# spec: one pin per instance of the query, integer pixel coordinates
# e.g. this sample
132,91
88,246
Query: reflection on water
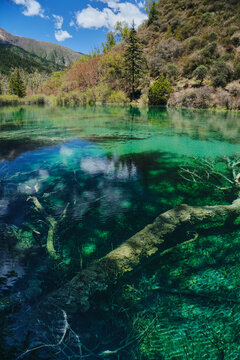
102,174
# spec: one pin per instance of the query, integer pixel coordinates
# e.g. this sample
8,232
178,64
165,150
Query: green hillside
12,57
51,52
196,45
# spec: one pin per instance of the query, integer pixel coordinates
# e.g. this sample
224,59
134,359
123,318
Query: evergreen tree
0,88
153,13
148,5
11,85
134,61
16,85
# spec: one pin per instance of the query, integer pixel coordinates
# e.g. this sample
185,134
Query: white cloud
32,7
141,5
62,35
58,21
107,17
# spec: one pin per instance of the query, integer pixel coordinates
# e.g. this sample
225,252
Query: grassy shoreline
73,100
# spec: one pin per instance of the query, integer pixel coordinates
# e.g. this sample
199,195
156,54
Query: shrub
237,71
53,84
170,49
159,92
188,99
221,74
206,17
27,100
227,56
194,43
185,30
88,97
102,93
163,25
172,71
219,80
200,73
37,99
191,63
212,37
236,39
175,22
68,99
233,88
9,100
118,97
210,50
166,51
199,98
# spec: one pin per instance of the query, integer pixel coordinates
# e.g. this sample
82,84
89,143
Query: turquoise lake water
103,173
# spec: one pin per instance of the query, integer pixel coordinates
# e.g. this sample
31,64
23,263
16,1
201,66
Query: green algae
192,295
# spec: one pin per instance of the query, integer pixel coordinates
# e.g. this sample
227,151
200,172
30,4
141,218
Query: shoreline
53,101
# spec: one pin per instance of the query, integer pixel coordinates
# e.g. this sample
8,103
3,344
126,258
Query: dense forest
186,54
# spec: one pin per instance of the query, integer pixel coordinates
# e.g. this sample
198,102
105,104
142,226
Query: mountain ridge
55,53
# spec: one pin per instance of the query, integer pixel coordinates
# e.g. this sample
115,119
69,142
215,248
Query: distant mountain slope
52,52
12,57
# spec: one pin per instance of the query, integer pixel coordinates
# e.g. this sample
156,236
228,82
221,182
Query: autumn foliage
83,75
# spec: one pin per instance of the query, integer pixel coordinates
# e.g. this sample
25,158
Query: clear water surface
103,173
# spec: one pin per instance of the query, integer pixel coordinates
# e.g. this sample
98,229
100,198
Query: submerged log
76,294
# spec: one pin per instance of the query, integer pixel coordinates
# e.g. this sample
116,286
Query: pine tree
153,13
134,61
21,89
16,85
11,85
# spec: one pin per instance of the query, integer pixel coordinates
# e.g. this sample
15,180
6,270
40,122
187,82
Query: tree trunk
76,294
133,81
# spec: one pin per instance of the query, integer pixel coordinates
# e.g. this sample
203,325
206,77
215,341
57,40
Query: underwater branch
76,295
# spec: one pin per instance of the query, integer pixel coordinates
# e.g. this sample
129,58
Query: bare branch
65,329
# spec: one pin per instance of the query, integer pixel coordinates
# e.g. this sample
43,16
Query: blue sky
78,24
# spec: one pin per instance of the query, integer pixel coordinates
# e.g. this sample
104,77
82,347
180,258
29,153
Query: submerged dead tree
76,294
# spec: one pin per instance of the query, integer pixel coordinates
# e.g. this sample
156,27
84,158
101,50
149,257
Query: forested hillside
35,60
191,47
194,44
12,57
52,52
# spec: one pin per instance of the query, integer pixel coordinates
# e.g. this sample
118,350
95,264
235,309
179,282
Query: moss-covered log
77,293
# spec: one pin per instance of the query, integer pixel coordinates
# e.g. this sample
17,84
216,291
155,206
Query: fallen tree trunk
77,293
